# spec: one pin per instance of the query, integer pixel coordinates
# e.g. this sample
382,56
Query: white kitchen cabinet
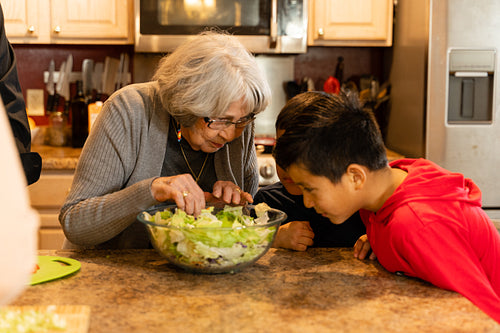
47,196
69,21
350,23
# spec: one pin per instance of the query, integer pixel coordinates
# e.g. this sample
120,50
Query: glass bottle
57,129
79,117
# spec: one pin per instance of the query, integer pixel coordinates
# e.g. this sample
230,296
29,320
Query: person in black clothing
13,100
303,226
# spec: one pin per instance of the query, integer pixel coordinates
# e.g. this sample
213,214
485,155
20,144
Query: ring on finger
238,190
185,193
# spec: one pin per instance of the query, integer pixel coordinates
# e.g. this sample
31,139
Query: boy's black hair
325,133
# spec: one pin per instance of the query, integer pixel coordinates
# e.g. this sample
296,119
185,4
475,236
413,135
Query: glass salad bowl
220,240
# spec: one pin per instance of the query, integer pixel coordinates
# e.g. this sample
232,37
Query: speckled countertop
57,158
320,290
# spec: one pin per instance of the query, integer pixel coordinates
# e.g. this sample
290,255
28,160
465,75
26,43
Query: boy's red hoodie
433,228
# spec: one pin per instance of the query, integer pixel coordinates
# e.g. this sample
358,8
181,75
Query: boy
304,227
421,220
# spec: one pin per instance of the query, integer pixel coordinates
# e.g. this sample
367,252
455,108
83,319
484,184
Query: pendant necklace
179,138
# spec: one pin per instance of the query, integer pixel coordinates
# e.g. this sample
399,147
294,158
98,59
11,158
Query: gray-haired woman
185,137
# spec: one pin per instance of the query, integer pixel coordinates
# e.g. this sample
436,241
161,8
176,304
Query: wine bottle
79,117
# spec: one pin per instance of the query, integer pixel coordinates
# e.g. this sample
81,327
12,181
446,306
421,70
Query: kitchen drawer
50,190
50,238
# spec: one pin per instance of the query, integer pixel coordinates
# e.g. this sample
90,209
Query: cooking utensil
124,75
59,86
51,86
52,268
118,78
65,89
97,79
331,85
87,73
111,66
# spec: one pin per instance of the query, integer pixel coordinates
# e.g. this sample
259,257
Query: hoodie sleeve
449,256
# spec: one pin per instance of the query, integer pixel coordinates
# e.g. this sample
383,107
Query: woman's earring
179,134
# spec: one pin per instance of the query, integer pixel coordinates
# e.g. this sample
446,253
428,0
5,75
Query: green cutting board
52,268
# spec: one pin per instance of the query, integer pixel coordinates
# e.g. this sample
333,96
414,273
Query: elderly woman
186,137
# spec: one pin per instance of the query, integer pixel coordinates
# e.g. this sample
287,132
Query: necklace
179,138
196,178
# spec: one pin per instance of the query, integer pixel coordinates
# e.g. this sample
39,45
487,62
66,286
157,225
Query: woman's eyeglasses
221,124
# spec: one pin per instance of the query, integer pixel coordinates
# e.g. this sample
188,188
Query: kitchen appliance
279,69
445,89
264,26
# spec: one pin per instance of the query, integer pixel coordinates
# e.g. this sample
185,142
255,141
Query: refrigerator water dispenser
470,86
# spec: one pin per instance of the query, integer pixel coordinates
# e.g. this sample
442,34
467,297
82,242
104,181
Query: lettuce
227,238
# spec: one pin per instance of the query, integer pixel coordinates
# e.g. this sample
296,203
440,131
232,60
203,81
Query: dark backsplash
33,60
318,63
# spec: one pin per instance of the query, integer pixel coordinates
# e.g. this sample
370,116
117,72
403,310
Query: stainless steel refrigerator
445,94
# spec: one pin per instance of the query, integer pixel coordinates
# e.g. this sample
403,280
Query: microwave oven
263,26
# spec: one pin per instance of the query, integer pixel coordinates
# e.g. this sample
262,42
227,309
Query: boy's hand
295,235
362,247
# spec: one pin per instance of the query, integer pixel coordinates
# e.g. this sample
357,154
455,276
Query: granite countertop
57,158
320,290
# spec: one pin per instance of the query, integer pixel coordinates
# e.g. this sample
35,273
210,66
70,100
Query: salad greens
226,238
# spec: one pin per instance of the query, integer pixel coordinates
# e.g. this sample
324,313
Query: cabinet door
94,19
350,23
21,18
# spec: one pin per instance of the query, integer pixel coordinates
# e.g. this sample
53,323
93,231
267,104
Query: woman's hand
228,193
362,247
182,189
295,235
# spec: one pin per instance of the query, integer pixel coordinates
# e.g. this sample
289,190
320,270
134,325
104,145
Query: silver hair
207,73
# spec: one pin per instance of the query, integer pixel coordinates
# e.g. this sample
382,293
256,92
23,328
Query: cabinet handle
31,29
321,32
57,29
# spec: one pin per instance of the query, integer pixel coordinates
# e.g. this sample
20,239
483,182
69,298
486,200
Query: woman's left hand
229,193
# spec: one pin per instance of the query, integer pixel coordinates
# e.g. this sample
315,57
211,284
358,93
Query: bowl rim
282,217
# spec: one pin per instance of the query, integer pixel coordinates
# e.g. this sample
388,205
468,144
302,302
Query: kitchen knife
109,76
87,73
97,79
124,75
50,86
59,86
118,78
65,89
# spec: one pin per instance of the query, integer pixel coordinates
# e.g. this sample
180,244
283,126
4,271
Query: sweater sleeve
442,254
101,202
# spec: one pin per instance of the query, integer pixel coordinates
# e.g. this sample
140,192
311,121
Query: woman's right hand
182,189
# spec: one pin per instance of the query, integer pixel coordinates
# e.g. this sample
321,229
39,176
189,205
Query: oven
263,26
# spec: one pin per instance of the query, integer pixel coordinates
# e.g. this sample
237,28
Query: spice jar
57,129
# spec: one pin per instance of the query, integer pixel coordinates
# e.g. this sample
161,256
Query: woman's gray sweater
123,154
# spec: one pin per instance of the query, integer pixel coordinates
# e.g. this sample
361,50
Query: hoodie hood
426,181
